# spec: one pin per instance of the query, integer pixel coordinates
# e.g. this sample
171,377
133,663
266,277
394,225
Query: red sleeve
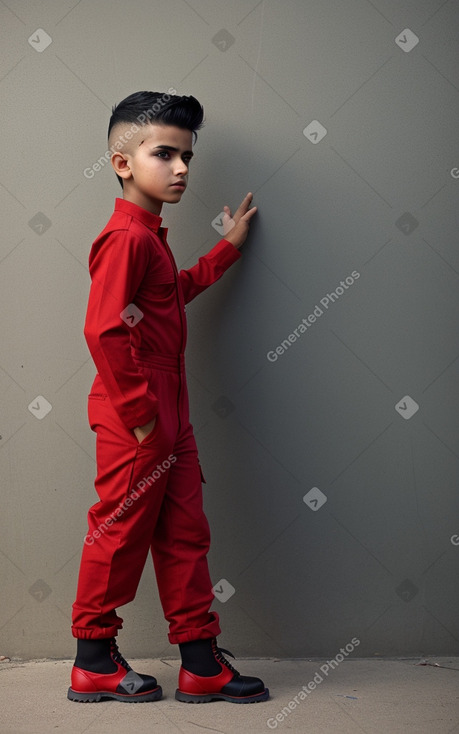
208,269
117,267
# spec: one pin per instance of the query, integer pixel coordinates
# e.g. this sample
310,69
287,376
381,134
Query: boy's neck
151,205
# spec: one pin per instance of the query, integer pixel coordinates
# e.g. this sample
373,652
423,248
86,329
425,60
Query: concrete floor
359,695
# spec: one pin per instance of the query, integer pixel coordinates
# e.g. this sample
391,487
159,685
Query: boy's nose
181,169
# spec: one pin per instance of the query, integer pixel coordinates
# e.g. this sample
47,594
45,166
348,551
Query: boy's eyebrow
171,147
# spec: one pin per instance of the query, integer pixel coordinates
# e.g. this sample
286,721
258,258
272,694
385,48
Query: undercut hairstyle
145,108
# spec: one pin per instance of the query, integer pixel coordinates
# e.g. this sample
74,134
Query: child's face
158,166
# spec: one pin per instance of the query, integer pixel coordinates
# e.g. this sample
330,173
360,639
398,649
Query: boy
148,472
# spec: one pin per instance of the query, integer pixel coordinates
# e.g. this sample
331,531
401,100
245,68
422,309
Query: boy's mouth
179,185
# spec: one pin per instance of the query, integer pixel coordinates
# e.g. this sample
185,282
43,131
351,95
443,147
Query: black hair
143,108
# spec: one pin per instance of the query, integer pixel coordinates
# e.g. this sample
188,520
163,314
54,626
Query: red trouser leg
179,548
141,488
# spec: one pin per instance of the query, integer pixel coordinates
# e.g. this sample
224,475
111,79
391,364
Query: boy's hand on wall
238,233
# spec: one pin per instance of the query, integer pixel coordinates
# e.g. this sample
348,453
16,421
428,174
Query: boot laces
117,657
218,652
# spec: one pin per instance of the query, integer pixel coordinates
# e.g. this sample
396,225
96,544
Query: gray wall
332,472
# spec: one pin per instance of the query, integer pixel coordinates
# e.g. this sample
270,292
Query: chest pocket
159,285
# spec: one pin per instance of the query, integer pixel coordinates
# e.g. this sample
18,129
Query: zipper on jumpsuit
182,329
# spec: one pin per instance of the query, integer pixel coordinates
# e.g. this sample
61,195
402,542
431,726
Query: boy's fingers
241,212
245,203
228,222
244,206
248,215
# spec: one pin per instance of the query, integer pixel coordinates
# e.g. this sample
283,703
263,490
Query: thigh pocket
95,401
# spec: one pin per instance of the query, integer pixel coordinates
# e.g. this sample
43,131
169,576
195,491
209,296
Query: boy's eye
165,155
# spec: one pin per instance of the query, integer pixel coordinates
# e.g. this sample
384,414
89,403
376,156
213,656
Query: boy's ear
120,163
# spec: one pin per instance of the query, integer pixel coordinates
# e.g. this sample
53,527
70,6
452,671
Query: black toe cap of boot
243,686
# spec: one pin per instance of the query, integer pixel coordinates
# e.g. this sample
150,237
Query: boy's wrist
236,245
142,432
226,252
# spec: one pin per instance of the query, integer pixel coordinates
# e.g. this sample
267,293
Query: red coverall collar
153,221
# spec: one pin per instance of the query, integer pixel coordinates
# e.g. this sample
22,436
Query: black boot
100,671
205,675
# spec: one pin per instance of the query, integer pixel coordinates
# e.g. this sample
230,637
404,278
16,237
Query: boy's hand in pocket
142,432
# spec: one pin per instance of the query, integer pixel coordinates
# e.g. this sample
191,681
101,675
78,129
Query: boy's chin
173,198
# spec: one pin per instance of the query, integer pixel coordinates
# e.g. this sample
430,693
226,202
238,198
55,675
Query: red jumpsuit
150,492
